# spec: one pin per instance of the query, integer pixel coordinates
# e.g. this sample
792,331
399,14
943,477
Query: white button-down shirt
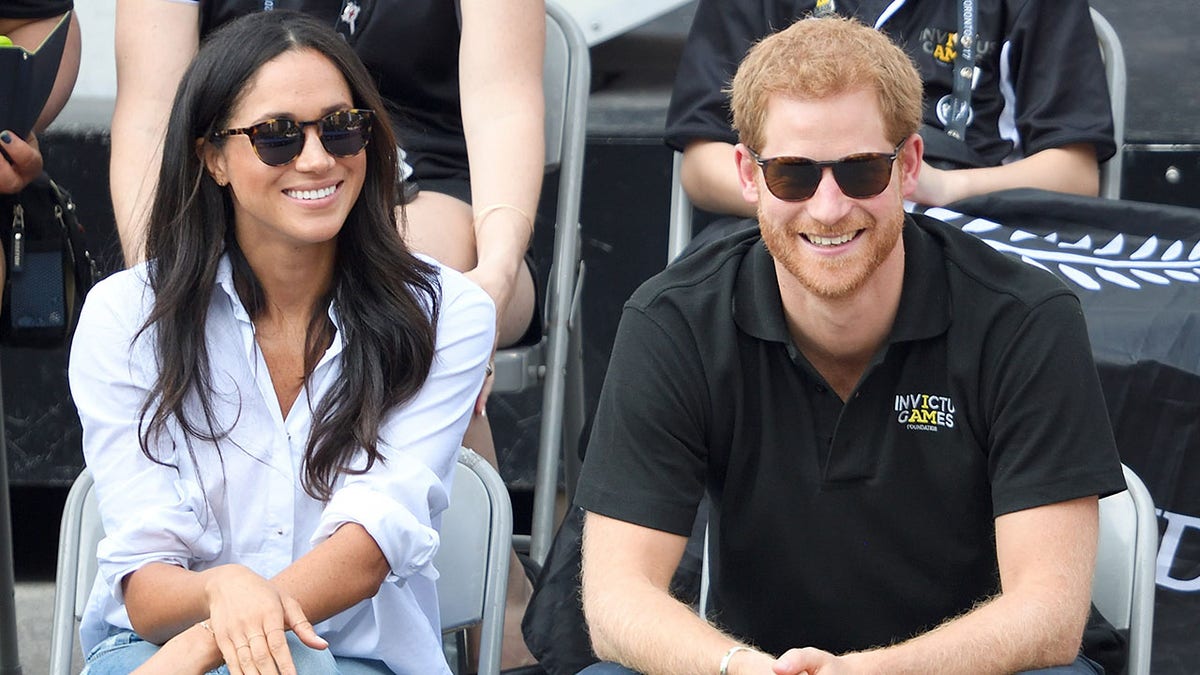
247,506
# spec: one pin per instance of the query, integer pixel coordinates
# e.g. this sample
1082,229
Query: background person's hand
935,187
500,288
20,162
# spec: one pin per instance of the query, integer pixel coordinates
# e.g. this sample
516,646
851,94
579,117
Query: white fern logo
1155,261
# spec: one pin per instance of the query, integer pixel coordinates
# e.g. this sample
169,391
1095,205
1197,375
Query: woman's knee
120,654
309,661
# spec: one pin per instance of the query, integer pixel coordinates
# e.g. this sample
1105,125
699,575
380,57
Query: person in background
272,404
901,431
26,23
1038,115
463,81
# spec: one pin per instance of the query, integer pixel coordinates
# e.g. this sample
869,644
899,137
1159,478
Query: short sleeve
646,458
1060,86
1050,436
722,31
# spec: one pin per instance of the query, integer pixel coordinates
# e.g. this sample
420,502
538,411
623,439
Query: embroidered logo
925,412
942,46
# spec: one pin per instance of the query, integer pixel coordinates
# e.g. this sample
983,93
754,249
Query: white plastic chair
472,562
1123,583
556,361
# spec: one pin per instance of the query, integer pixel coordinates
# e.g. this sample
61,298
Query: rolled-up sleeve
149,513
399,501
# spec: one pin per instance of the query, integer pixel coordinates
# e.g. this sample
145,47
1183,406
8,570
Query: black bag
48,267
553,626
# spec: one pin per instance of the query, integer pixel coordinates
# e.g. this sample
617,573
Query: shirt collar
224,281
924,310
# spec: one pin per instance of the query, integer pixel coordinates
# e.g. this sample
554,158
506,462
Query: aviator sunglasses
794,179
277,142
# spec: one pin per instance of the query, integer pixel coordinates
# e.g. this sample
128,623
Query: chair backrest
78,536
472,561
473,558
1114,71
680,232
1123,583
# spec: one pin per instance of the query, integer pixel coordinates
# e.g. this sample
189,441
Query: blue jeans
120,654
1082,666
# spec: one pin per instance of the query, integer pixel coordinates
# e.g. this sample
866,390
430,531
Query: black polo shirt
1039,80
849,525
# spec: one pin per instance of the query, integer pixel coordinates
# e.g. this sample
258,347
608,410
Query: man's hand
812,661
20,162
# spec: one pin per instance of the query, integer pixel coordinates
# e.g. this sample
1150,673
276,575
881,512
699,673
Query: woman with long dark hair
273,403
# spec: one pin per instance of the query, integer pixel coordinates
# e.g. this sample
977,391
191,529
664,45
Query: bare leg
440,226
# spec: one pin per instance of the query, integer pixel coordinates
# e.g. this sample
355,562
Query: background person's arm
1071,169
155,42
29,33
22,160
1046,557
631,615
500,78
709,175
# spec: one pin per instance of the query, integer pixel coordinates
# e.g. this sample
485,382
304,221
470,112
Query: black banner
1136,269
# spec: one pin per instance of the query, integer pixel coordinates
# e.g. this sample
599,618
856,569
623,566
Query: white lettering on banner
1177,525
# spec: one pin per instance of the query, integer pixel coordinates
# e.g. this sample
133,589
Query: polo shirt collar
924,301
925,309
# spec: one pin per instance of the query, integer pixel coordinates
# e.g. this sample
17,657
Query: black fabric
48,267
1053,61
34,9
411,48
553,625
947,430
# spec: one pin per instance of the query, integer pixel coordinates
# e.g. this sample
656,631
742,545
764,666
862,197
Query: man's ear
911,156
214,161
747,170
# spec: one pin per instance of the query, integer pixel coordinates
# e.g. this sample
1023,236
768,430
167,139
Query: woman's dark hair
387,300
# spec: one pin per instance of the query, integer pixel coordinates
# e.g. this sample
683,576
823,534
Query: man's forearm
1004,635
632,618
1046,556
653,633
